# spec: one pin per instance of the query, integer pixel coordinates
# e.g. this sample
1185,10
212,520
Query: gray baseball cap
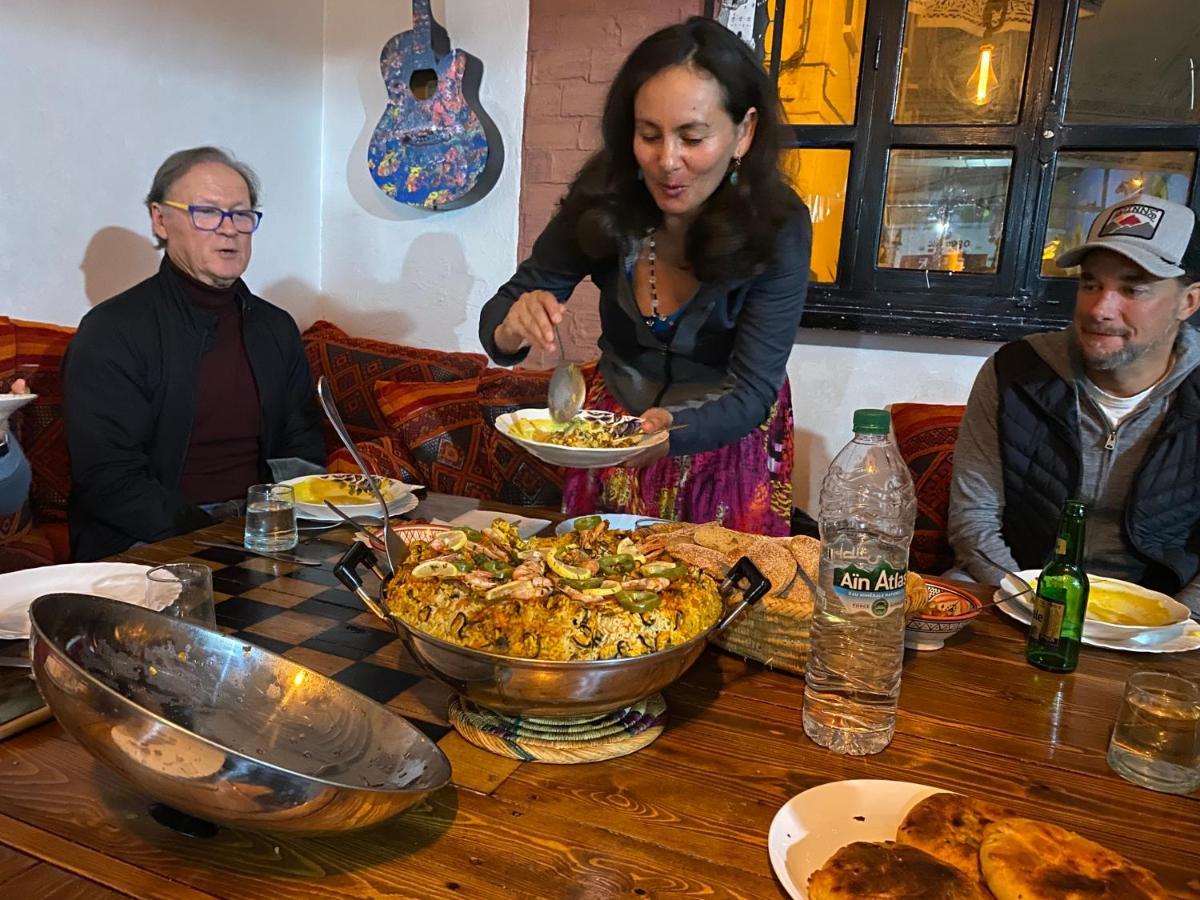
1150,231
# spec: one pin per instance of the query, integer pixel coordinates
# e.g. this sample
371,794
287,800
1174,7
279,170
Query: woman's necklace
654,316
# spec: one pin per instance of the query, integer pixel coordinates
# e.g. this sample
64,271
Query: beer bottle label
1046,627
878,591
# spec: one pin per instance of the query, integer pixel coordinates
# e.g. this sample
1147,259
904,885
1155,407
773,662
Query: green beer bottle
1061,599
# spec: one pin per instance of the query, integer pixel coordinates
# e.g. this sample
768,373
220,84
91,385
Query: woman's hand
530,322
653,419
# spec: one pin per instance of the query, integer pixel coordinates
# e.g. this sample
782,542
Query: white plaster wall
834,373
388,270
96,95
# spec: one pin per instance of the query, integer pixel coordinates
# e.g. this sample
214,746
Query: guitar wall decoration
434,147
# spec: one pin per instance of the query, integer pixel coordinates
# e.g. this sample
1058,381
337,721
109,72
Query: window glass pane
1135,61
963,61
944,210
1088,181
818,60
819,176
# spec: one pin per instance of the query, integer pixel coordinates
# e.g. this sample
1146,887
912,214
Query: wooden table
687,815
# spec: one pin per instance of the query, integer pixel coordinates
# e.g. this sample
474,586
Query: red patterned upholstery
441,425
38,535
383,456
521,479
925,434
353,365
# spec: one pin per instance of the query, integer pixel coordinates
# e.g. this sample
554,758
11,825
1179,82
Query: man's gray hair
181,162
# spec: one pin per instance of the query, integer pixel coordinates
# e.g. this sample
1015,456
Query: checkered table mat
304,614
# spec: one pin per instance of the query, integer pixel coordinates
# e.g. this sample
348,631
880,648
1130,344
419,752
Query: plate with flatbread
813,826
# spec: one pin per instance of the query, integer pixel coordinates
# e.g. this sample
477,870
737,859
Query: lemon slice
562,570
451,540
628,546
606,589
435,568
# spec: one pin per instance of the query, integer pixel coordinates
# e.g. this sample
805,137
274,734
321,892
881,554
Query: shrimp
646,584
531,568
480,580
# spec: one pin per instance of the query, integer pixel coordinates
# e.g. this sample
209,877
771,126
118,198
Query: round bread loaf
890,871
950,827
1027,860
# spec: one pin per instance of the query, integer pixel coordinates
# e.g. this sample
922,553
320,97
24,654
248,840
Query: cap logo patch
1132,220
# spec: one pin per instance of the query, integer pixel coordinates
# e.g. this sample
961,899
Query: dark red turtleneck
222,458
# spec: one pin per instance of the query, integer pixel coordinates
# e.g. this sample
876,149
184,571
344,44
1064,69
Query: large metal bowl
545,688
221,729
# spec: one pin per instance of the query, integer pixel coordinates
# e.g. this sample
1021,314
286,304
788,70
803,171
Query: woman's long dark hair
733,235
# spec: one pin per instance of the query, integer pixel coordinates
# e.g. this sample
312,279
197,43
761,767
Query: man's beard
1119,359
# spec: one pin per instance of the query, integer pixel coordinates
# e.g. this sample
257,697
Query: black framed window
950,149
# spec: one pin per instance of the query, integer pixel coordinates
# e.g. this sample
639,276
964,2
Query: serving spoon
393,547
567,388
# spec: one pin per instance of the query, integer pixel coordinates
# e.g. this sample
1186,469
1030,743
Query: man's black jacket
129,380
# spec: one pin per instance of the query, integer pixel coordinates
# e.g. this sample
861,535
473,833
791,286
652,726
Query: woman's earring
733,175
641,176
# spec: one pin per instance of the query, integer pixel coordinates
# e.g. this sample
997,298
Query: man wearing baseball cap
1107,410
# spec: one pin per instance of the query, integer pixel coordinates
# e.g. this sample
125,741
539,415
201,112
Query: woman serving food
700,251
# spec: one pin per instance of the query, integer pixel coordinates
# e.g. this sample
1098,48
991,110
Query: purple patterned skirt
746,485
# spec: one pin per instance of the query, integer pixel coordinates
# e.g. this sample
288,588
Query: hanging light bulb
983,80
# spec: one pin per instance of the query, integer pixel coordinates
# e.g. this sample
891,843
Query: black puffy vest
1040,454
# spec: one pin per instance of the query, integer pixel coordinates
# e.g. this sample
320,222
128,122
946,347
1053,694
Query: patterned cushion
353,365
383,456
925,434
40,425
522,479
441,425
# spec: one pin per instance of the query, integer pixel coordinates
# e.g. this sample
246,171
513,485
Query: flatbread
807,553
725,541
709,560
916,595
890,871
950,827
1027,860
775,562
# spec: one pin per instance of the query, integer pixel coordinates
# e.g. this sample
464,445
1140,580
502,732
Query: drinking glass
183,590
1156,741
270,518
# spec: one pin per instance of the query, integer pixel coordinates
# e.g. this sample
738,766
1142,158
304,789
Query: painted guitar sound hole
423,83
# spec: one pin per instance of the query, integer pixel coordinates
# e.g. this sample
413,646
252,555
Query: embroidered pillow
441,426
925,435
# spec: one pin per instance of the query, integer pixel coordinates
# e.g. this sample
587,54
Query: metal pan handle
743,576
346,571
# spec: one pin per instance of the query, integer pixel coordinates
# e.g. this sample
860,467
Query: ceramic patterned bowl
949,610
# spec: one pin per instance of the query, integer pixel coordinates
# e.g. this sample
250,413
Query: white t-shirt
1117,409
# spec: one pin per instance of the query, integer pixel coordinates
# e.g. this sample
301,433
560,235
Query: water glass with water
270,518
1156,741
183,590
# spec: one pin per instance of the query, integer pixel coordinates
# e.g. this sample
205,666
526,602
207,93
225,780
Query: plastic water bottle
867,512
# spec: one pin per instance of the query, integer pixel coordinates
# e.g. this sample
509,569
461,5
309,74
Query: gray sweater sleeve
977,489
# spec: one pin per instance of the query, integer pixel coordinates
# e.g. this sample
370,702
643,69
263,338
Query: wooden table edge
92,865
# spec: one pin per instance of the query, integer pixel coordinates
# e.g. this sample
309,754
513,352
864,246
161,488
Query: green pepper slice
497,568
638,601
619,562
583,523
472,535
463,565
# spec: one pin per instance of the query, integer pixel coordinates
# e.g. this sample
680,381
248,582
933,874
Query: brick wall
575,48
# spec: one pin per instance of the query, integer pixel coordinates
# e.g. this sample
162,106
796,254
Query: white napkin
482,518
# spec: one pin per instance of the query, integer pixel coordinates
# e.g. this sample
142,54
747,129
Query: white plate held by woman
117,581
814,825
574,457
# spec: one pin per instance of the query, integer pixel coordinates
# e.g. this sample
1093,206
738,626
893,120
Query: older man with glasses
185,389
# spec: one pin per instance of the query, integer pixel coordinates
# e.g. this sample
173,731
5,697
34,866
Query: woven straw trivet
575,740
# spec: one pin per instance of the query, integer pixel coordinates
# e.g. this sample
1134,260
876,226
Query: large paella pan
576,624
